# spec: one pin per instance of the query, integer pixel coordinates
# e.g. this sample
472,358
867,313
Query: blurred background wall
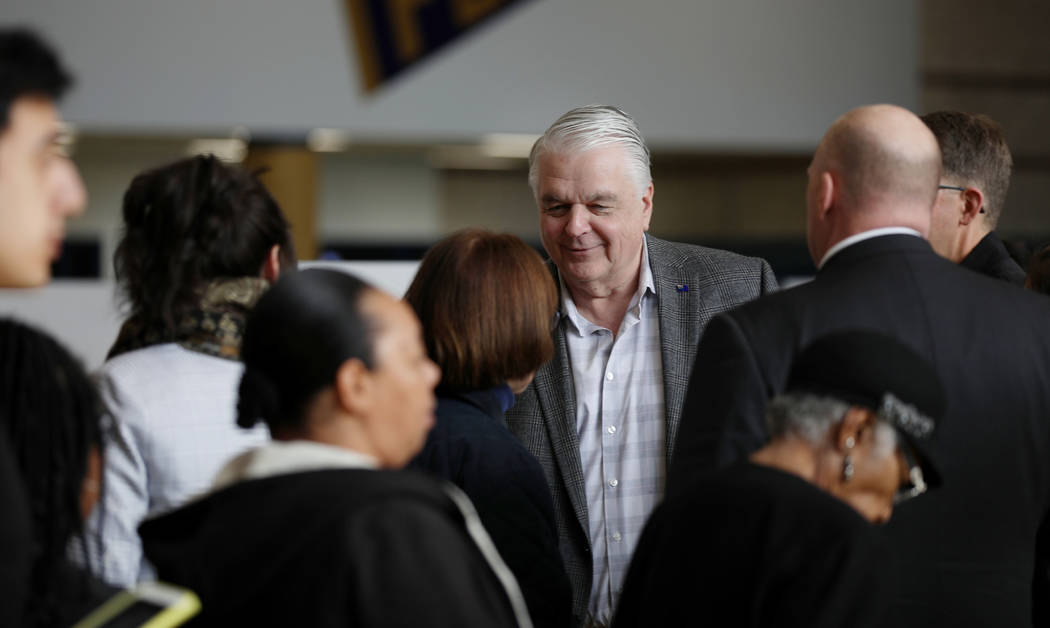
733,97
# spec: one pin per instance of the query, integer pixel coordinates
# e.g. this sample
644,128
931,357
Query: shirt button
616,536
613,482
609,376
612,429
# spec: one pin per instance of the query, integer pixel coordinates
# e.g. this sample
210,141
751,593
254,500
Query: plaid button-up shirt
621,428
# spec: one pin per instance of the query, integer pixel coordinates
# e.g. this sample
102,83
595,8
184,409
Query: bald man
967,551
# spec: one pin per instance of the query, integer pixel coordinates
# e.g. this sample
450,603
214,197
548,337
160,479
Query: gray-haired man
601,417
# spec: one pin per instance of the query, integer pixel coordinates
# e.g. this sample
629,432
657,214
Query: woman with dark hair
51,415
318,528
202,241
487,303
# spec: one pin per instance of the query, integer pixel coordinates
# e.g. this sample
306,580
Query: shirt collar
282,457
584,327
865,235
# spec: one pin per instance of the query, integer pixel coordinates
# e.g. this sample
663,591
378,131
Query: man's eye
557,209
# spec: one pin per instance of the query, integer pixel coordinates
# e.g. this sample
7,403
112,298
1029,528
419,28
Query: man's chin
33,277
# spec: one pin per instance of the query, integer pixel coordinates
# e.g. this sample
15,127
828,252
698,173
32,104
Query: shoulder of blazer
700,260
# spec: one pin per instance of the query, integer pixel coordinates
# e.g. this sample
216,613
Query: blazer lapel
676,301
557,399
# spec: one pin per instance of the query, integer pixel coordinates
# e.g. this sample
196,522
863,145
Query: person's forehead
595,173
392,318
32,119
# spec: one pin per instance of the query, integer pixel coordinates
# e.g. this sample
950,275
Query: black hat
876,371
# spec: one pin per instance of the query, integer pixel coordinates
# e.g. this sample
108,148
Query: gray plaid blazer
544,417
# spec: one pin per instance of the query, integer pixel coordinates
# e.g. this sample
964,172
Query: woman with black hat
785,538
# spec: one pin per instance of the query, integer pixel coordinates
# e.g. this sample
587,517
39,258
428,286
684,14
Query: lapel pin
681,287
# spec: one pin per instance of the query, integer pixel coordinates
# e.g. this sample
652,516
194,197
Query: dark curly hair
52,414
186,224
28,67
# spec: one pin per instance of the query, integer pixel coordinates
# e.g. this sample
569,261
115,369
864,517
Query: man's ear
647,204
852,426
826,193
353,387
271,269
973,204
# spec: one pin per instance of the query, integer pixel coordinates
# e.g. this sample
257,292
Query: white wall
699,73
84,315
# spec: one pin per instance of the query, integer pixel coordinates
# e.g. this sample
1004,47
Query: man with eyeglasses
968,551
784,537
972,191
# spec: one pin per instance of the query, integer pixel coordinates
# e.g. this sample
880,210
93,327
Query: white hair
593,126
809,417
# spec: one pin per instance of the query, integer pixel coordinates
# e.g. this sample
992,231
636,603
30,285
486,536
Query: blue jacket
471,447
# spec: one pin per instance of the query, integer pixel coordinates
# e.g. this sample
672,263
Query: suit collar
556,394
492,401
880,245
865,235
674,295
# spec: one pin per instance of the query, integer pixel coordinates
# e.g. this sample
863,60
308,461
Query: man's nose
69,194
579,221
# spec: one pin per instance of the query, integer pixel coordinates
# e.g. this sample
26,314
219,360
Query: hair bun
257,398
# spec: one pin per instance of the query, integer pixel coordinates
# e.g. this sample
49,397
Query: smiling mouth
578,250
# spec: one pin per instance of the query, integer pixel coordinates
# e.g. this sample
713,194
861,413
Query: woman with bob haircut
318,527
202,241
486,302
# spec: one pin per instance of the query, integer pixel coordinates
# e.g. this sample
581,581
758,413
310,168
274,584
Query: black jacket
335,547
471,447
756,547
991,258
967,548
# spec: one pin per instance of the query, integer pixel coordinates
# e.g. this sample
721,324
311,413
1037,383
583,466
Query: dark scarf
214,328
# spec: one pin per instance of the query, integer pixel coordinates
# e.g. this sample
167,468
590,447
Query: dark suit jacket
965,550
544,418
991,258
471,447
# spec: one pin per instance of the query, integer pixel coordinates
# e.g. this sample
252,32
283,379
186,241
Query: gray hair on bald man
593,126
809,417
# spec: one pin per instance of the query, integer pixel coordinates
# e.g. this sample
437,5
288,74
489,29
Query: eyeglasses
957,189
916,484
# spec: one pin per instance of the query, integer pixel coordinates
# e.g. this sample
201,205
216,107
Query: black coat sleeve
723,418
515,506
508,490
414,565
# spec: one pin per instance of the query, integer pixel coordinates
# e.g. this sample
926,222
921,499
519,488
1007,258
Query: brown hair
974,152
486,302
